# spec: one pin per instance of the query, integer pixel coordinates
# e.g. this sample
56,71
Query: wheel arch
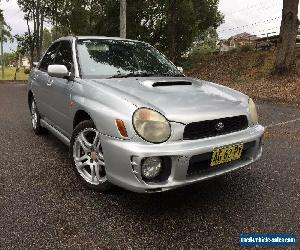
81,115
29,98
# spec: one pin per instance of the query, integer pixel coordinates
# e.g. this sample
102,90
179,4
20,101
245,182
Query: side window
49,57
64,55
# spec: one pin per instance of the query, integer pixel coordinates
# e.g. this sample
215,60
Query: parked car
133,119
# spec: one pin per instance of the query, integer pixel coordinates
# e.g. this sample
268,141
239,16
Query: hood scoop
165,83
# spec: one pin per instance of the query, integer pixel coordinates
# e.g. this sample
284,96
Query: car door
40,83
59,90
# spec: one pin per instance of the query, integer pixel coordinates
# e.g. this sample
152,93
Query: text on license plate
226,154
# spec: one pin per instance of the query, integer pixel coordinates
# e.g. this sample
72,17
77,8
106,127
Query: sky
257,17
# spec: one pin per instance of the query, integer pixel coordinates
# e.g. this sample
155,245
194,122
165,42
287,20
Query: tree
6,29
35,11
285,59
4,36
123,18
23,47
10,58
47,39
170,25
206,43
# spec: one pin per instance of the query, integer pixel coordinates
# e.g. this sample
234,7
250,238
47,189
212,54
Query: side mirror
59,71
180,69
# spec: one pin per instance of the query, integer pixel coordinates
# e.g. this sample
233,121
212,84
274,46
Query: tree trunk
37,31
32,34
123,18
31,43
285,59
41,34
1,45
172,30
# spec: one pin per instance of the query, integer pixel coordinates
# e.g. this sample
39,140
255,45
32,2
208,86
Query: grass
9,74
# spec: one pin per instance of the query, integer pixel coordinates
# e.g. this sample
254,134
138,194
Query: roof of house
243,36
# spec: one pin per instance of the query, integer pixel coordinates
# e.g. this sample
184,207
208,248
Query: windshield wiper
172,75
144,74
133,74
121,76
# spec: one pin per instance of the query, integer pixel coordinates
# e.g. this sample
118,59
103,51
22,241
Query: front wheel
88,159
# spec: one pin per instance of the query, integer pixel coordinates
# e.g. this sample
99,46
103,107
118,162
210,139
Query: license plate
226,154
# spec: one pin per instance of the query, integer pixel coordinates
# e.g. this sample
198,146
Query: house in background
25,62
267,42
270,43
237,41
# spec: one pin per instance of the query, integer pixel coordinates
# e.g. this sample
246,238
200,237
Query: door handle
49,82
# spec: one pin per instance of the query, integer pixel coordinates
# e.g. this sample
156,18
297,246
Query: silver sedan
133,119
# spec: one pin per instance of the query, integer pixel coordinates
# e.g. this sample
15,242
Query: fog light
151,167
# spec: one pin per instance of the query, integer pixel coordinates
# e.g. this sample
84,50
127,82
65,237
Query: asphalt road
43,206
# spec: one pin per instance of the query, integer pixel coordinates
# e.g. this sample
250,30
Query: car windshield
101,58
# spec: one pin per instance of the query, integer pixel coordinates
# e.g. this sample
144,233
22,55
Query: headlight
151,125
253,112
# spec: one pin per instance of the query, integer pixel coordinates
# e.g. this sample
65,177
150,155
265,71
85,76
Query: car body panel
103,106
120,169
59,104
185,104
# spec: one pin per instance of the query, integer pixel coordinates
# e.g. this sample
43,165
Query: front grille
200,164
203,129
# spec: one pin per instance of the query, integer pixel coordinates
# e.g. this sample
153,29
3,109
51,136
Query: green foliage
151,21
6,29
247,48
47,39
10,58
23,42
170,25
205,44
147,20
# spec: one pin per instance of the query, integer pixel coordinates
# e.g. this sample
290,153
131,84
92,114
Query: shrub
247,48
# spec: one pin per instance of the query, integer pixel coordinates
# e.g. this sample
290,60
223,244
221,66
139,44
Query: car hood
180,99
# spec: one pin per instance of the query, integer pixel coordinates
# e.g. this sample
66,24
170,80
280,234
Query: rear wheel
36,118
88,159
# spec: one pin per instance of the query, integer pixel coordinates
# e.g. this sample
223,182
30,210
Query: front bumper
123,159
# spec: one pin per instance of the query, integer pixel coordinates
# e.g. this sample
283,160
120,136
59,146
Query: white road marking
282,123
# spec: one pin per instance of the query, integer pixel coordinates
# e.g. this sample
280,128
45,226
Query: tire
87,157
36,119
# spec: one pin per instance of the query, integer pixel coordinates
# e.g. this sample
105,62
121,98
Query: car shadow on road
220,190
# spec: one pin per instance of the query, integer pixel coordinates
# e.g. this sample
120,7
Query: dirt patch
272,135
249,72
272,90
13,82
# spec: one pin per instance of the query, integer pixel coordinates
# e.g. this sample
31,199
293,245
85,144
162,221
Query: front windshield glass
99,58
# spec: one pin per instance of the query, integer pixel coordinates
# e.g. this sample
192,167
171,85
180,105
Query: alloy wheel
34,115
88,156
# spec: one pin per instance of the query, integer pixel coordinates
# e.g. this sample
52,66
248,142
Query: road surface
42,205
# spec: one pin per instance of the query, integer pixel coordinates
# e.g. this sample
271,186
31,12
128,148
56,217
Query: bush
26,71
234,50
247,48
